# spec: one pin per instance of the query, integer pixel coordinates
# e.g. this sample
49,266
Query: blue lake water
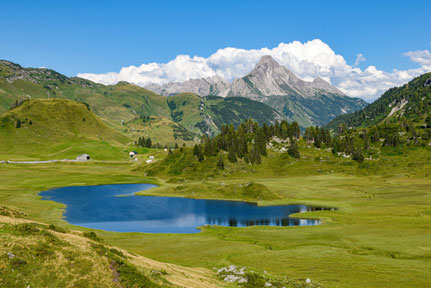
99,207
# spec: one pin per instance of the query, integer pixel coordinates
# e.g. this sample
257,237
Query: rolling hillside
57,129
411,102
125,104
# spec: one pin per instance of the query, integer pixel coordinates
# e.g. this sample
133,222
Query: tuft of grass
92,236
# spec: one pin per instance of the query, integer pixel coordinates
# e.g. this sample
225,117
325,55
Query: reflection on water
98,207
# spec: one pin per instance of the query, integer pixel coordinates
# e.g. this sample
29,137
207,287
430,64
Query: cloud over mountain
307,60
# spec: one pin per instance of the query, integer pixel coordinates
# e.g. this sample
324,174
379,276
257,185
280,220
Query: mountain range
177,112
309,103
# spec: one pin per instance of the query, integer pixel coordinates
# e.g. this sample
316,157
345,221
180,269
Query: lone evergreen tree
220,163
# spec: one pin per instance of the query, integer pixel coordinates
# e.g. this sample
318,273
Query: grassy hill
57,129
41,255
411,101
123,104
114,104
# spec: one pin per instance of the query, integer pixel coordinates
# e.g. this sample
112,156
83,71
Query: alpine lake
116,208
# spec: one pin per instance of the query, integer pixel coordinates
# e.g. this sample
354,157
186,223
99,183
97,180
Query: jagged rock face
266,79
203,87
269,78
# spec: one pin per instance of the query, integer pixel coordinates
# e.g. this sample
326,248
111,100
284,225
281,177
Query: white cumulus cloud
307,60
422,57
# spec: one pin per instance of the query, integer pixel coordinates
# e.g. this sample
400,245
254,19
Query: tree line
247,142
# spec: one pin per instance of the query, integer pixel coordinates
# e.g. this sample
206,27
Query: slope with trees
410,102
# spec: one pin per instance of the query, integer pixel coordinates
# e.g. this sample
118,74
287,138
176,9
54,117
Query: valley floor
379,236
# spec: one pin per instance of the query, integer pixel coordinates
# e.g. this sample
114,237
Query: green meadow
378,236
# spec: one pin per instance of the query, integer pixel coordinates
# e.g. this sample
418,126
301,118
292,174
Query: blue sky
101,36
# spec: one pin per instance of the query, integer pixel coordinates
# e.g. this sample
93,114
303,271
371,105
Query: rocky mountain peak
267,61
268,68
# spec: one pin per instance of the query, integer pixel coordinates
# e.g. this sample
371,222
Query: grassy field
378,237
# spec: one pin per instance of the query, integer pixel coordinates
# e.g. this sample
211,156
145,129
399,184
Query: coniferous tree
260,141
208,147
322,135
220,163
328,138
336,147
255,155
284,133
367,141
242,143
374,135
196,150
201,156
148,143
231,157
357,155
143,142
307,135
246,158
176,146
266,131
293,149
277,129
317,142
296,131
